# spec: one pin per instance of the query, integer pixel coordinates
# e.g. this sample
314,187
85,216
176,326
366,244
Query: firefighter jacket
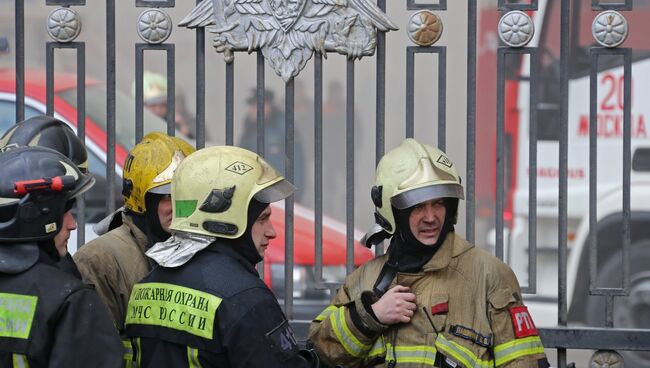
114,262
469,314
49,318
213,311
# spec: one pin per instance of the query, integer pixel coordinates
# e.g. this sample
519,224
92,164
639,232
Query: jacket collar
140,237
452,247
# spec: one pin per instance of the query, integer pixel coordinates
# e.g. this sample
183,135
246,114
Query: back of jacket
114,262
213,311
48,318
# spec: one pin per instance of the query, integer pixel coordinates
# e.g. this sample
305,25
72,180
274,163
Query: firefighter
48,318
205,305
434,299
46,131
154,98
115,261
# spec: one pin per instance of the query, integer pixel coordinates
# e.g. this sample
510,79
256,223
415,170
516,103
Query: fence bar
505,5
155,3
410,90
110,102
349,165
531,288
261,133
200,86
501,90
81,132
470,183
442,97
595,338
625,5
80,48
261,101
139,91
413,5
380,107
609,293
289,104
502,157
171,89
49,78
318,167
565,17
627,164
442,89
170,114
20,59
230,92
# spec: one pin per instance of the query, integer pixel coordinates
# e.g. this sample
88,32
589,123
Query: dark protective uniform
48,318
214,311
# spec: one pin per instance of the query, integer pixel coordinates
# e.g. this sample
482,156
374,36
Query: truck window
8,114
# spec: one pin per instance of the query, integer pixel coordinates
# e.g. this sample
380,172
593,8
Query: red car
65,98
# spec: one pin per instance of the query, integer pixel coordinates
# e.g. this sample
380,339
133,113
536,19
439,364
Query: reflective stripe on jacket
48,318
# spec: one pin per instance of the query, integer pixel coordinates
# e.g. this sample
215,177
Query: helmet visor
162,189
419,195
276,192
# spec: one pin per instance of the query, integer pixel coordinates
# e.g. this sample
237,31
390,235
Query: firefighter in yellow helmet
434,299
205,305
115,261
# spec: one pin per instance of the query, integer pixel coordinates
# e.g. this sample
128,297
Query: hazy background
426,95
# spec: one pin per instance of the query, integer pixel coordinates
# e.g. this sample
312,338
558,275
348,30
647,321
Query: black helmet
35,185
46,131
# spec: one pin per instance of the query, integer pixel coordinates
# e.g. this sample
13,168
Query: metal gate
286,37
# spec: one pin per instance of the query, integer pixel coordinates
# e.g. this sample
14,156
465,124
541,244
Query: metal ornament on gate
606,359
154,26
63,24
288,32
609,28
516,29
425,28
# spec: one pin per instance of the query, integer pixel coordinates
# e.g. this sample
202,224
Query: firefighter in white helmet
205,305
434,299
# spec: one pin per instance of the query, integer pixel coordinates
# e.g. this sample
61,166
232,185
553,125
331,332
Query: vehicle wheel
632,311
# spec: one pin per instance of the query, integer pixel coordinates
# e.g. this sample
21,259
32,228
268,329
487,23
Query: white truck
631,311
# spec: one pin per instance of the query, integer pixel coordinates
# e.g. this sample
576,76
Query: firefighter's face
61,239
426,220
263,231
165,212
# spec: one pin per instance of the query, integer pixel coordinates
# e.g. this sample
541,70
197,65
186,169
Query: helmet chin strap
245,245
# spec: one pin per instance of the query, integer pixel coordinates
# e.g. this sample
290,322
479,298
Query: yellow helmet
212,189
410,174
150,166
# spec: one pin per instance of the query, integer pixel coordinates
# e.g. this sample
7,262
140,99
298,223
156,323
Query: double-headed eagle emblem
289,31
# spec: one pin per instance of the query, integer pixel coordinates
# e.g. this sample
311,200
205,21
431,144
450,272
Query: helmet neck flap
406,252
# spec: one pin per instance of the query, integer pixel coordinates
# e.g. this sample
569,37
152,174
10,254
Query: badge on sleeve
282,341
522,322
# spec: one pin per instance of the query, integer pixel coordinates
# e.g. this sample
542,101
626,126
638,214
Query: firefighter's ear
375,194
127,187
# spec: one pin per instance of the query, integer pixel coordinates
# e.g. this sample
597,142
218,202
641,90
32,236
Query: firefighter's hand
396,306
